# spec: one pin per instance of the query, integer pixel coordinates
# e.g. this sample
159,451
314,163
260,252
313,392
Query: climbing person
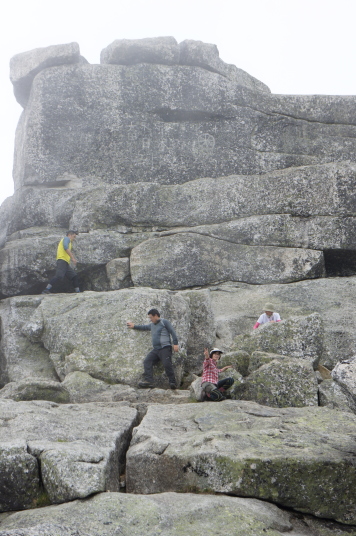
268,316
63,268
212,388
162,332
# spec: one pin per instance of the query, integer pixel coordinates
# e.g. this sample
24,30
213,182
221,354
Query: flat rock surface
301,458
76,449
114,514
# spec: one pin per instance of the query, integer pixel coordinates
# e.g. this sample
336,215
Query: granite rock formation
197,191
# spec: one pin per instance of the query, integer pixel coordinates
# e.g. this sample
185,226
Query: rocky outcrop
296,456
196,191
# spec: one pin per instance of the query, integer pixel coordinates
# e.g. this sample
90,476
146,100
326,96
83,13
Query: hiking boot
46,291
172,386
145,385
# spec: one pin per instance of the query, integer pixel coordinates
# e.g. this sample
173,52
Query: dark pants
216,392
64,270
164,355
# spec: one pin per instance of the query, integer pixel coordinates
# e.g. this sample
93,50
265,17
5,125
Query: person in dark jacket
162,332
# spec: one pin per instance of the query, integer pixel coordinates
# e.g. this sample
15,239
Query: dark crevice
340,263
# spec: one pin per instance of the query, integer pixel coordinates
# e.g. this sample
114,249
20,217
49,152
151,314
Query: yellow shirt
61,250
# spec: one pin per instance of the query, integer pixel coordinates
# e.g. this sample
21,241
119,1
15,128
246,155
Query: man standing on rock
161,331
63,268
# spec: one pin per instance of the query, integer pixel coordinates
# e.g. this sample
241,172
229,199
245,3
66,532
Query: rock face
195,191
294,456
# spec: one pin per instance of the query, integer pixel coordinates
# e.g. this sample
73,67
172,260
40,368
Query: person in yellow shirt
63,268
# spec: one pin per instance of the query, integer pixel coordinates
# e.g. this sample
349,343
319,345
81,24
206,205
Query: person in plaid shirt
210,384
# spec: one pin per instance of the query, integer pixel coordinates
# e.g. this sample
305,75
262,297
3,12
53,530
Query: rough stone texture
34,389
344,374
237,307
145,127
160,50
20,358
299,337
321,193
19,478
158,262
25,66
333,396
258,359
118,273
281,383
110,514
298,457
83,388
76,460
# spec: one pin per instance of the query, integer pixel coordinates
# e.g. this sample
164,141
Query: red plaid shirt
210,372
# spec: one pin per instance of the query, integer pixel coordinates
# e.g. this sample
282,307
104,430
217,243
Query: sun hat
215,350
268,307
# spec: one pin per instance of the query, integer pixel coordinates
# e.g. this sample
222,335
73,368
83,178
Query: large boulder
281,383
71,459
344,374
34,389
188,260
26,65
333,396
110,514
206,124
21,358
302,458
161,50
298,337
52,336
237,307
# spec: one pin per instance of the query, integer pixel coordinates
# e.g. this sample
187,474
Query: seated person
267,316
210,384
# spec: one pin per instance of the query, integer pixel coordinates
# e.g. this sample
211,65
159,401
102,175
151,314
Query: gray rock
118,273
258,359
237,307
344,374
333,396
34,389
299,337
293,456
25,66
110,514
139,131
75,459
161,50
19,478
187,260
240,361
115,353
281,383
21,358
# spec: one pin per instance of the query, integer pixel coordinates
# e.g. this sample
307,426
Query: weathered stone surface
20,358
34,389
281,383
333,396
139,130
344,374
110,514
76,460
83,388
118,273
258,359
160,50
187,260
298,337
19,478
240,361
298,457
25,66
319,191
